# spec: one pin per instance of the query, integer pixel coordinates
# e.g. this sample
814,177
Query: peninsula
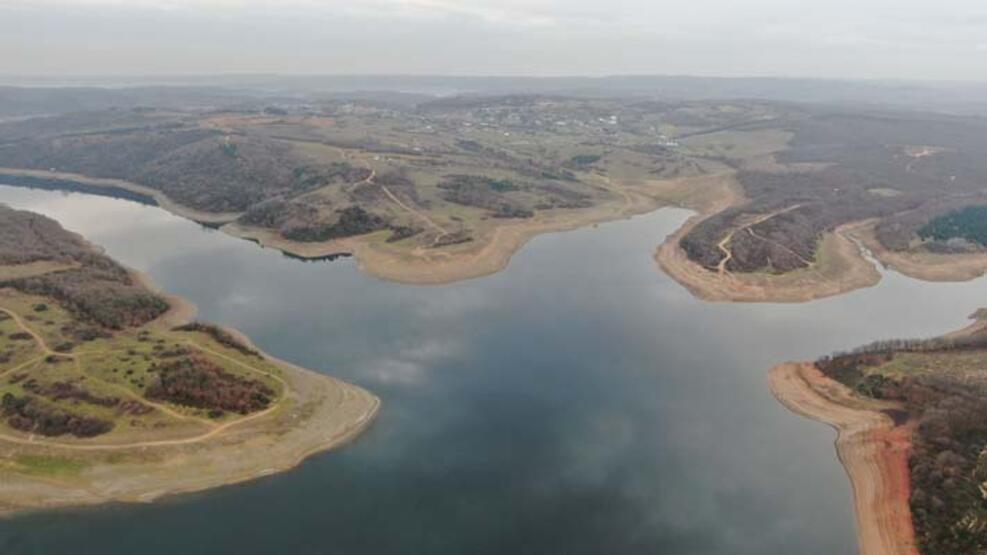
444,190
912,422
109,391
439,189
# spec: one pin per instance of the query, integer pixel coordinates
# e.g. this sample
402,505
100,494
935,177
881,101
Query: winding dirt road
723,244
215,428
418,214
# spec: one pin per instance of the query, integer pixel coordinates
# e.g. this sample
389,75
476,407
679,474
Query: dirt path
124,391
75,357
371,180
622,192
215,428
25,364
316,413
873,451
423,265
365,181
721,267
418,214
846,268
755,235
29,330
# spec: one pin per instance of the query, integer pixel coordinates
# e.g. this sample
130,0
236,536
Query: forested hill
93,287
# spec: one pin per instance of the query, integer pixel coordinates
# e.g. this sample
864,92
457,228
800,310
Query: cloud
409,365
841,38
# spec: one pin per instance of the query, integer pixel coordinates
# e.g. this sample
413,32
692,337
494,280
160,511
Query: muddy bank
872,447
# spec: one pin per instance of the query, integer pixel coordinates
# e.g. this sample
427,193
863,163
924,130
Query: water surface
578,402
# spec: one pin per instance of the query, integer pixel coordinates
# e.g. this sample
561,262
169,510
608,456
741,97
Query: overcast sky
913,39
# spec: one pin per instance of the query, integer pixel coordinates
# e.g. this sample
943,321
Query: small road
418,214
721,268
215,428
371,180
618,190
30,331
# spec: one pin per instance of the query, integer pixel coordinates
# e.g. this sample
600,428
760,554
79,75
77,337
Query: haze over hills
613,205
21,95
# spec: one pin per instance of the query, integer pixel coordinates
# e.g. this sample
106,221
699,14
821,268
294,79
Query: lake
578,402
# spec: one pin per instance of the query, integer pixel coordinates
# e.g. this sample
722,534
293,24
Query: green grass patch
44,465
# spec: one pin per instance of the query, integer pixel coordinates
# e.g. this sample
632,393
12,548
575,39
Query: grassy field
440,177
109,377
109,391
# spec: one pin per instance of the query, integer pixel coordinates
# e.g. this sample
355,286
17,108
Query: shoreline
162,200
925,266
490,252
871,448
485,256
847,269
318,413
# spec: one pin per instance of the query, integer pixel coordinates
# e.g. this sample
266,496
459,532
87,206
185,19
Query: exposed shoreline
318,413
872,449
846,270
489,252
925,266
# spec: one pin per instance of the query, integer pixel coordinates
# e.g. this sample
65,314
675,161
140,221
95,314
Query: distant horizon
518,76
909,40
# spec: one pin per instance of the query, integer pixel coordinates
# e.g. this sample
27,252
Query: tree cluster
197,382
30,415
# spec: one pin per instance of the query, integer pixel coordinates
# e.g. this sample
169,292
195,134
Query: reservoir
580,401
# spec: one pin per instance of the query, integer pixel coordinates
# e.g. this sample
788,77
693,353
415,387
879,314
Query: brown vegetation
949,411
97,290
197,382
853,155
220,335
62,391
30,415
149,410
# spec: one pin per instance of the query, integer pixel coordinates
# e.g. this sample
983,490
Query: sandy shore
489,252
494,246
318,413
926,266
873,451
842,267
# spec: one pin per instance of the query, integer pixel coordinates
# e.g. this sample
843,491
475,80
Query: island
911,417
110,391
